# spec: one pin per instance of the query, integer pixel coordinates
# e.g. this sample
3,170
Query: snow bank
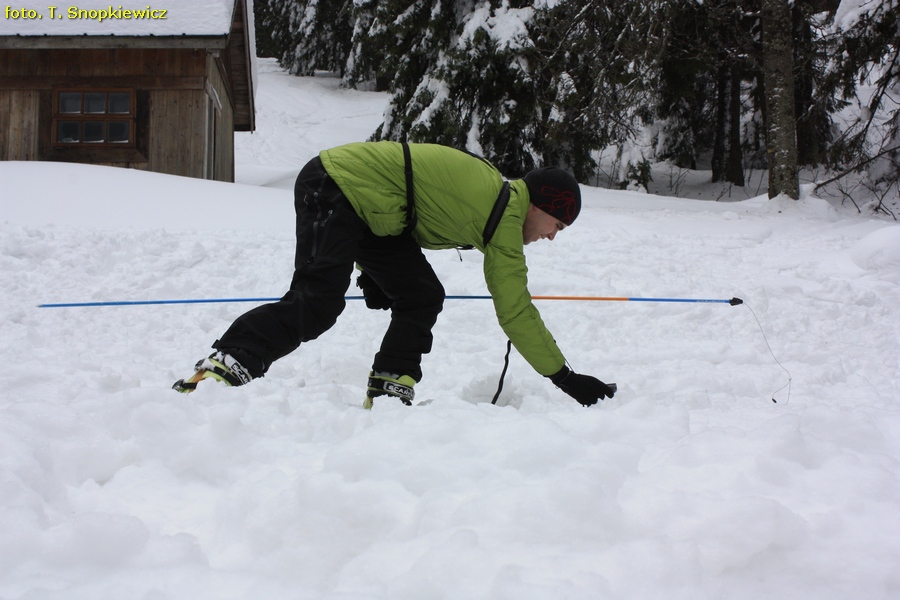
879,251
88,196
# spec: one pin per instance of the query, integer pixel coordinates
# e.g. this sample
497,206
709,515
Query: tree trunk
810,121
734,167
781,127
720,134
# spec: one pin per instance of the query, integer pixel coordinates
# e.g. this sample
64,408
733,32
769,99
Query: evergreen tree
709,74
683,115
396,43
523,85
867,53
813,109
271,41
703,66
733,27
318,34
596,81
479,93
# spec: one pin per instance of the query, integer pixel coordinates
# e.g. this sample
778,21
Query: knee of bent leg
431,295
421,295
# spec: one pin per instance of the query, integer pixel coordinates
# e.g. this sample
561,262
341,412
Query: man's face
540,225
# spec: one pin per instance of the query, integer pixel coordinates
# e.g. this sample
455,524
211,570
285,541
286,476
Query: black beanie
555,192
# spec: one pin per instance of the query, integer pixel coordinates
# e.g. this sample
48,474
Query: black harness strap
496,213
410,193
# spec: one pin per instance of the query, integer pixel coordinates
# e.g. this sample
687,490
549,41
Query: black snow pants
330,239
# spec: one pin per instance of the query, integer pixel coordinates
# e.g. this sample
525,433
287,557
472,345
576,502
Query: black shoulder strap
496,213
410,193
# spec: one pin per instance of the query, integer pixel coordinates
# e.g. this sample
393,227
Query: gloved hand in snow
584,388
374,295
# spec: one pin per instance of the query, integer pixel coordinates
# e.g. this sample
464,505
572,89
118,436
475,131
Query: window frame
81,117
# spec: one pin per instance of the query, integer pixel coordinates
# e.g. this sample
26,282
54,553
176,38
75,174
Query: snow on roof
136,19
119,18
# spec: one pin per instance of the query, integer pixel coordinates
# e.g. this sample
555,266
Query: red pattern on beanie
561,204
555,191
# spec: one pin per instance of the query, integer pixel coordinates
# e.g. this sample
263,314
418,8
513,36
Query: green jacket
454,195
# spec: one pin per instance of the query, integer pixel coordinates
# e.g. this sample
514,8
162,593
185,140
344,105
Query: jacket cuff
558,377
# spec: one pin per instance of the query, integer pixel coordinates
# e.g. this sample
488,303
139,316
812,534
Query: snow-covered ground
691,483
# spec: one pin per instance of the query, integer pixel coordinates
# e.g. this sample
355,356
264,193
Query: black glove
584,388
374,295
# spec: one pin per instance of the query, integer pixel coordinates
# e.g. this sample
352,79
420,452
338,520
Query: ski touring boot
219,366
389,384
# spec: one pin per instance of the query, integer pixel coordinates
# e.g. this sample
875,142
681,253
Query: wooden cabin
160,94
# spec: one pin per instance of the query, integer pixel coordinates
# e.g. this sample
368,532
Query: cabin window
94,117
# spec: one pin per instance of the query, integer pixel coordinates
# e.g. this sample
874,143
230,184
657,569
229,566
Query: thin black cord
503,374
790,379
